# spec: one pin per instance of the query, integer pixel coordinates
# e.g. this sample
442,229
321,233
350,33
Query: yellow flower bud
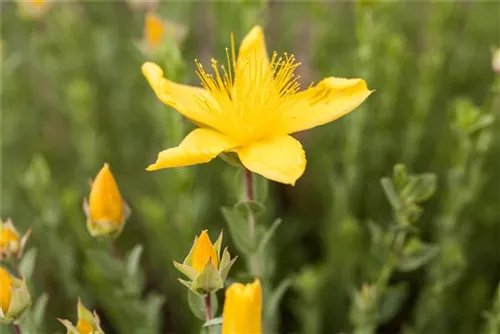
204,265
154,29
204,251
88,322
5,290
11,243
243,309
14,297
106,210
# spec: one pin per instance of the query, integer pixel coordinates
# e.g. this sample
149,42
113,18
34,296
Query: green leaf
420,188
269,234
27,264
133,260
197,304
247,207
108,265
391,301
154,302
209,280
189,271
39,308
272,303
416,254
400,176
391,193
238,228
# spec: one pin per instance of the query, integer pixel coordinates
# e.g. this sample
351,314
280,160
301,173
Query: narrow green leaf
108,265
246,207
391,302
390,193
133,260
269,234
271,309
27,264
39,308
209,280
238,228
416,254
420,188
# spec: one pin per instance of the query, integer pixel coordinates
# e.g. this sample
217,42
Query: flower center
248,97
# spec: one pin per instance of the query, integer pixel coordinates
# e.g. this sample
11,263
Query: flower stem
254,259
114,251
17,328
208,307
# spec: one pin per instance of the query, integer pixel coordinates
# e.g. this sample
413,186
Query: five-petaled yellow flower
251,108
14,297
106,210
88,322
11,243
243,309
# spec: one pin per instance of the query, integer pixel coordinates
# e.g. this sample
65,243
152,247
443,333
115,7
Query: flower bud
14,297
106,210
204,266
88,323
243,309
11,243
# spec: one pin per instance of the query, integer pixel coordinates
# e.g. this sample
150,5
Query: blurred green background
73,97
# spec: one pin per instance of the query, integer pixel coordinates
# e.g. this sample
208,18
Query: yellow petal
154,29
243,309
199,146
5,290
254,44
204,251
185,99
330,99
280,159
83,327
105,200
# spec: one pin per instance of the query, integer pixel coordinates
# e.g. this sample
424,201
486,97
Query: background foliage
73,98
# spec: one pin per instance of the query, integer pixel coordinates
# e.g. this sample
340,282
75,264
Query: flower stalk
255,267
208,307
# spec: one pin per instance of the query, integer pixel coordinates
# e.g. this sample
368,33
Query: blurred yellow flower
243,309
14,297
156,29
106,210
33,8
251,108
11,243
88,323
204,265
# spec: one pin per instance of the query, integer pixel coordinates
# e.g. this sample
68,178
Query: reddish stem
208,307
17,328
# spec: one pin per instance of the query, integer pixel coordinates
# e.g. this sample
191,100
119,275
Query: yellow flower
88,323
106,210
33,8
204,266
14,297
251,108
11,243
243,309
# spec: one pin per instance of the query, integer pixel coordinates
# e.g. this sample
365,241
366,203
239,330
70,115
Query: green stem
208,307
255,267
